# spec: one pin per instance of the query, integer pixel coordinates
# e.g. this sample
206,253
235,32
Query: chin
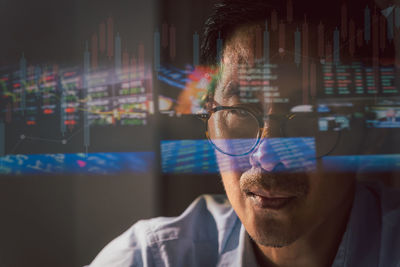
271,232
267,227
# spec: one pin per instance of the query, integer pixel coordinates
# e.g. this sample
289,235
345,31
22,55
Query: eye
239,114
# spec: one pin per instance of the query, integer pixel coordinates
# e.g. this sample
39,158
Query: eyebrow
231,88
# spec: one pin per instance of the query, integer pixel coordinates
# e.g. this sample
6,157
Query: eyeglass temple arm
203,116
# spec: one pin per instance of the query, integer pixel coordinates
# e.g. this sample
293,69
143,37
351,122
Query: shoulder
194,236
388,200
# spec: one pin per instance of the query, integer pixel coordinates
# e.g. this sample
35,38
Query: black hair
226,16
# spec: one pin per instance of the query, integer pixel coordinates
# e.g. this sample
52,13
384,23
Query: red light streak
253,83
274,20
352,39
102,39
94,51
172,43
70,122
258,42
70,110
49,78
110,38
68,74
321,40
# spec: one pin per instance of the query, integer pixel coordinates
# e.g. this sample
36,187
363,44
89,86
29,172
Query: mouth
267,200
266,191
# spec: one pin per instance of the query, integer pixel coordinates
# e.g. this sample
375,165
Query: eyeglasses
237,130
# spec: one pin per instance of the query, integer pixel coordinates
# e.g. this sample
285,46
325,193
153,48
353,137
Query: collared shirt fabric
209,233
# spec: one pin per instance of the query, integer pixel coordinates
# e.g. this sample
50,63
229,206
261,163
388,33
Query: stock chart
347,75
54,118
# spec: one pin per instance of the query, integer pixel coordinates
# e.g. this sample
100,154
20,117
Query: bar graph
196,50
2,139
110,88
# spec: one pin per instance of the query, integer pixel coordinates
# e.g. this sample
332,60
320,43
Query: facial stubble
269,229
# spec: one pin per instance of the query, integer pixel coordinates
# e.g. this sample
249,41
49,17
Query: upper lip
269,194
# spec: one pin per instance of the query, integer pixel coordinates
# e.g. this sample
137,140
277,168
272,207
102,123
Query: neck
318,247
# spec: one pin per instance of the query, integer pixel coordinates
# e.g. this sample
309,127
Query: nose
284,154
267,157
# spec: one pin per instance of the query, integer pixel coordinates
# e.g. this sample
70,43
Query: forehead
244,73
240,46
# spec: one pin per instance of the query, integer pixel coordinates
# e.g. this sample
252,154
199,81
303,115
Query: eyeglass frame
261,123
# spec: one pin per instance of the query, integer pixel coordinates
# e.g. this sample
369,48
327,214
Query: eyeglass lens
233,131
236,131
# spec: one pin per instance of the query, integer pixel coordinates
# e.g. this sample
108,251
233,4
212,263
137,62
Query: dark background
65,220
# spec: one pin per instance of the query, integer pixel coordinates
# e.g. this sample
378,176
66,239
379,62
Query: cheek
231,181
328,193
229,164
232,188
231,169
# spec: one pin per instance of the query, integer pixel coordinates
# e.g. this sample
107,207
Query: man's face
276,208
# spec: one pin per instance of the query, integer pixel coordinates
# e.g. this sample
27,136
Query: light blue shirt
209,233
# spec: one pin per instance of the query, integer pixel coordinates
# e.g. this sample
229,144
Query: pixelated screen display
346,78
384,117
335,86
82,117
198,156
94,163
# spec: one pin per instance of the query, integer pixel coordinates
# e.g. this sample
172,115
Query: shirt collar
248,257
360,245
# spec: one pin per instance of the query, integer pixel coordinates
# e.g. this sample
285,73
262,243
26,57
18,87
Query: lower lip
269,203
